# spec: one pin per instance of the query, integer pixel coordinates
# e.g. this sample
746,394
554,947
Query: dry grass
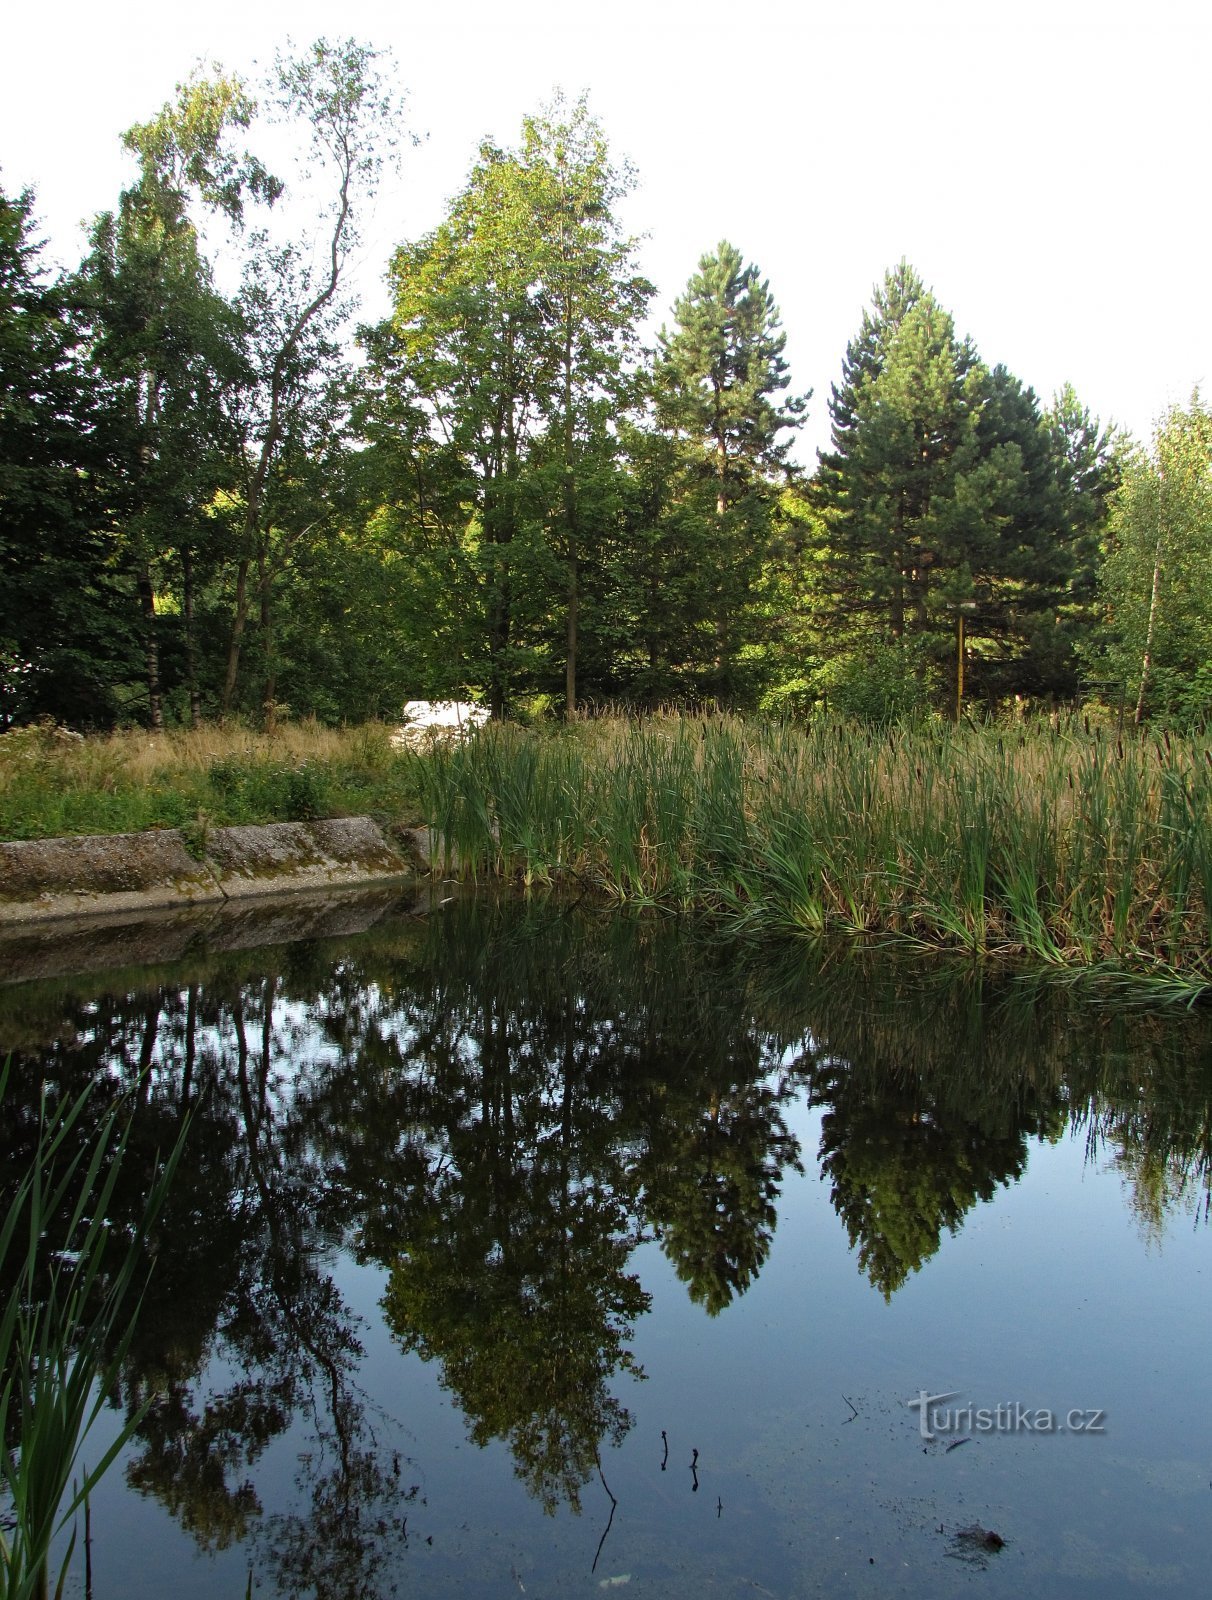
53,782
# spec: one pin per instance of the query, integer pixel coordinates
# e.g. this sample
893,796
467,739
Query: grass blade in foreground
63,1333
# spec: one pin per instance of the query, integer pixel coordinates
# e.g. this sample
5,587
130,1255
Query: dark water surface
526,1250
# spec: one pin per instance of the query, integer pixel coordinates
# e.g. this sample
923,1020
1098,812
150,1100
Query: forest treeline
216,498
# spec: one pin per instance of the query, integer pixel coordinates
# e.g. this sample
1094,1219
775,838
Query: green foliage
1156,580
186,148
717,379
720,370
883,685
293,413
168,347
256,788
499,385
207,506
65,644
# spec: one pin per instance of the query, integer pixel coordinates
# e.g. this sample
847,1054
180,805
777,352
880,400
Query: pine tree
949,525
719,375
907,436
1022,559
891,301
1089,460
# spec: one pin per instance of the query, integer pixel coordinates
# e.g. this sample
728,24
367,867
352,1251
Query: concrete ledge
111,874
303,855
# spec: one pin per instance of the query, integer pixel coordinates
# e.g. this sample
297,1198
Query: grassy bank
54,783
1068,846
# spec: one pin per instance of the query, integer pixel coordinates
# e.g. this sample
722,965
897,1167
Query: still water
521,1249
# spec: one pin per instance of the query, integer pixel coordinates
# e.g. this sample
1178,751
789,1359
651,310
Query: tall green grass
53,782
65,1328
1055,843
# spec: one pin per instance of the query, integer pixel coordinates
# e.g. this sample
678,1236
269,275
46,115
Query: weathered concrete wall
115,872
137,872
310,855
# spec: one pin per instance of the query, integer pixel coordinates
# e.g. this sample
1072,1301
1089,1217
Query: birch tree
1156,581
347,118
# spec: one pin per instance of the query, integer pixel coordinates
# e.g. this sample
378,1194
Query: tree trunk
269,698
191,652
275,425
495,516
499,517
237,635
570,663
1146,663
898,570
570,527
151,650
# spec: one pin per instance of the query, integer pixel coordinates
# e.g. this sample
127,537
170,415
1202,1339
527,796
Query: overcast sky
1045,170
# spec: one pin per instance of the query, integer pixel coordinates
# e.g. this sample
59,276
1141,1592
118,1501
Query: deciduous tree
347,119
168,344
512,340
1156,581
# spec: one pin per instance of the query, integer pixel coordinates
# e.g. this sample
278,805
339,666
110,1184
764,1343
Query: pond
527,1248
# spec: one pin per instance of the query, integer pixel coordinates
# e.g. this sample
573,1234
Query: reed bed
1064,845
53,782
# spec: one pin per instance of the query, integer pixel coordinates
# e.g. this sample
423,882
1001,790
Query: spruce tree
901,530
719,377
950,516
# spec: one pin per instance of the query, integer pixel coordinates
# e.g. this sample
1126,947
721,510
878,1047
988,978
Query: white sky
1046,169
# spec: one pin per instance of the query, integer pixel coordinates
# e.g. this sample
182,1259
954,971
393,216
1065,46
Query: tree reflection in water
496,1104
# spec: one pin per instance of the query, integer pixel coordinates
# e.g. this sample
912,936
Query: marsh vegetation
1057,842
